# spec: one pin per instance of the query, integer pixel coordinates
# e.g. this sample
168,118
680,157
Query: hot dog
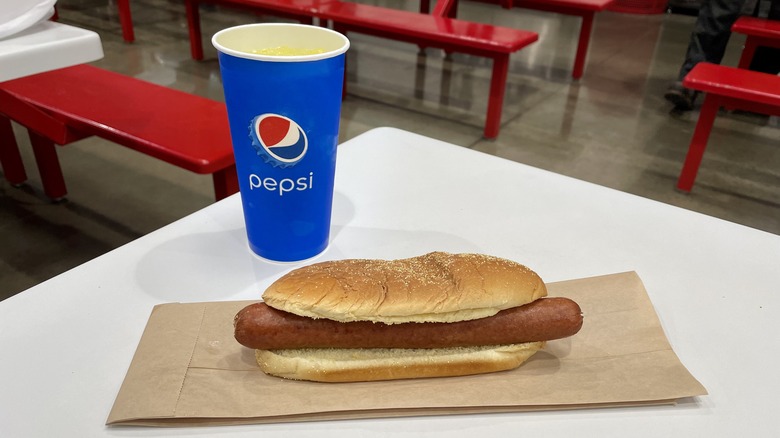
435,315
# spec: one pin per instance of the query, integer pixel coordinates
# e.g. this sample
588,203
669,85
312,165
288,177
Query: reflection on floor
611,128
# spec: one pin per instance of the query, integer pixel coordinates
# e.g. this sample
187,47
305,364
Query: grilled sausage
262,327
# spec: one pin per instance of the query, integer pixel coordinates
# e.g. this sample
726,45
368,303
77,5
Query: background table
67,343
47,46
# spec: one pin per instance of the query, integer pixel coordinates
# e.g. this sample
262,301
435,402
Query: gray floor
612,127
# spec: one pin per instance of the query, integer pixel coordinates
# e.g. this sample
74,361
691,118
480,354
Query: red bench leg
193,22
582,45
747,53
496,98
10,159
707,115
225,182
126,20
48,166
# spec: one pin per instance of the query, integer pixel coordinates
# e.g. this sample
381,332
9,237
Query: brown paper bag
188,370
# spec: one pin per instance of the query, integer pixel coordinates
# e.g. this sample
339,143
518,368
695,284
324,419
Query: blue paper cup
284,115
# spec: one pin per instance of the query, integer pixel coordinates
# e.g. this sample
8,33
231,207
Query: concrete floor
611,128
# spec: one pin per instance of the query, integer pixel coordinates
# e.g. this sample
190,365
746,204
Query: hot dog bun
369,364
435,287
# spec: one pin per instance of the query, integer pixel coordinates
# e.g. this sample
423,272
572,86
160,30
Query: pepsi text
283,186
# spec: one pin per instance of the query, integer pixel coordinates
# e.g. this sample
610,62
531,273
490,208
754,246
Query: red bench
760,32
62,106
724,87
585,9
449,34
452,35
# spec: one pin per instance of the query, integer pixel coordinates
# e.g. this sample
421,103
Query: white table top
47,46
66,344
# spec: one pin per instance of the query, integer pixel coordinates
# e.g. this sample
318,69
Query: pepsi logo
278,140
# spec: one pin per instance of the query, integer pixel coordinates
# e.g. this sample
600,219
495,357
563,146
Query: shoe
682,98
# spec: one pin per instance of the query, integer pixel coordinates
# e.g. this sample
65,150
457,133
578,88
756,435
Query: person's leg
708,42
711,33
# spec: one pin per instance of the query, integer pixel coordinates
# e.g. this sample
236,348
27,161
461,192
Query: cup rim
272,58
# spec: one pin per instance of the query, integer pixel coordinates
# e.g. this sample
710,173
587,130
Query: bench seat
568,7
62,106
729,87
760,32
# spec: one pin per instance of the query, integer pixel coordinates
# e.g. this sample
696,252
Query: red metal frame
698,143
48,166
192,8
225,182
444,8
10,158
126,20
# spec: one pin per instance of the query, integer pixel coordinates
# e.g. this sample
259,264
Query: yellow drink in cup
287,51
